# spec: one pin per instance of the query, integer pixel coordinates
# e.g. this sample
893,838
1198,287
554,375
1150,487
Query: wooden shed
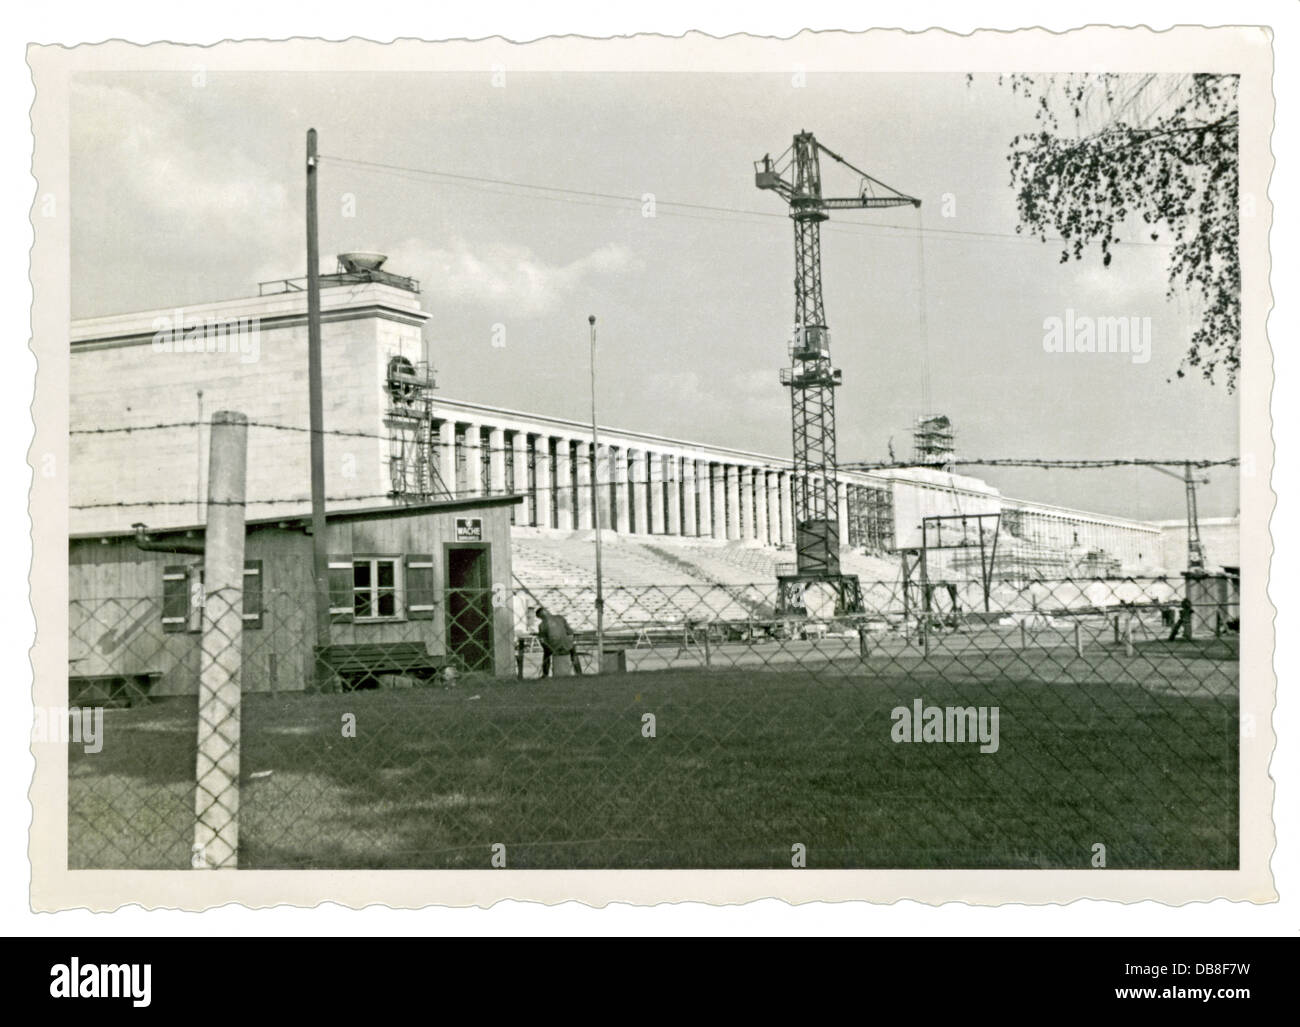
435,575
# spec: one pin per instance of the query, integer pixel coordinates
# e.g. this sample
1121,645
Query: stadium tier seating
661,579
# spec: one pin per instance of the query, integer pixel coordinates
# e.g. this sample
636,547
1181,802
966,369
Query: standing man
557,640
1183,625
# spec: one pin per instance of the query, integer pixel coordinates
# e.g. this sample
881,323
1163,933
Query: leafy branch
1152,154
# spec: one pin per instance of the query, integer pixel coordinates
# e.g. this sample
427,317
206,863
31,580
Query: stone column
733,501
772,497
787,507
656,493
746,502
545,480
603,498
447,455
563,485
673,494
689,527
519,486
518,482
622,520
718,488
639,470
704,485
473,460
497,461
760,506
582,501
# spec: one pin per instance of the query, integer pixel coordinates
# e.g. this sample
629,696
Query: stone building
395,438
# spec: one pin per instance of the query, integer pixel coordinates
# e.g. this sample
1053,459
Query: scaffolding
871,518
974,534
413,473
934,444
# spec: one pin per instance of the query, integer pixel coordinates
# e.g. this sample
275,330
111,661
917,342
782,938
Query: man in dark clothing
1184,624
557,640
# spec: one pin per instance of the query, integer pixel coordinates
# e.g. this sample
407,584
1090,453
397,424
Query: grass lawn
1138,754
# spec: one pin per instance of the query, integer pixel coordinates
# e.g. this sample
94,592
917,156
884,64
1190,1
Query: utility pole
320,544
595,507
198,477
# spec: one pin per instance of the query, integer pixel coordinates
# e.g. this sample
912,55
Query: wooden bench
111,689
359,664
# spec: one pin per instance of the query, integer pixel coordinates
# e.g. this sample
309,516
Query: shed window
176,598
374,588
380,588
184,598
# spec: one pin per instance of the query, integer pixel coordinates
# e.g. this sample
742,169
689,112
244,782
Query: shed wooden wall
115,595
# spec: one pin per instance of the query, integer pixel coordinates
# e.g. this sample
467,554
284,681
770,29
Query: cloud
504,276
1137,279
738,412
177,185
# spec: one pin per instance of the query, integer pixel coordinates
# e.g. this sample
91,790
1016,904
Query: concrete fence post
216,793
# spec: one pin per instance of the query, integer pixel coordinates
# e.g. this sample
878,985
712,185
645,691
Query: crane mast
810,375
1195,550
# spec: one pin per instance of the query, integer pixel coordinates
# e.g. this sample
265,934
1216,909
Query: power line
579,195
623,204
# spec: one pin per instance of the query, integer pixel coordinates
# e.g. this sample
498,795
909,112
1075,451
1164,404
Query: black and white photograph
752,456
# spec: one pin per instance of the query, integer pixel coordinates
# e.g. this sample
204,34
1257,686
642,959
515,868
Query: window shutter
198,598
252,593
340,580
176,597
419,587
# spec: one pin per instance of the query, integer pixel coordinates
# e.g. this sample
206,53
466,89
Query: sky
188,188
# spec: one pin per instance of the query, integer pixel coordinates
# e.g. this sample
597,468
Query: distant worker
557,640
1184,623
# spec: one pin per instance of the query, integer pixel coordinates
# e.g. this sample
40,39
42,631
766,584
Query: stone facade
638,483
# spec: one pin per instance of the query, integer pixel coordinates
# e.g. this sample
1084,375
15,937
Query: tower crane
795,176
1195,549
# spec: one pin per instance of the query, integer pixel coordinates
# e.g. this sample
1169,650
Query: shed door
469,607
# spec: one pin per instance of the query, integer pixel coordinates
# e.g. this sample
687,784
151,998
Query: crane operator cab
765,176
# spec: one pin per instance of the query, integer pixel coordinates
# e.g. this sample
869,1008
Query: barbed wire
578,491
162,425
1047,463
357,433
1061,463
123,504
542,492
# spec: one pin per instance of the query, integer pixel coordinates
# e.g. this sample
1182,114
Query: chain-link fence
1026,723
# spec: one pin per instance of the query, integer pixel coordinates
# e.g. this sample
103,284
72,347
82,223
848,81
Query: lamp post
595,506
